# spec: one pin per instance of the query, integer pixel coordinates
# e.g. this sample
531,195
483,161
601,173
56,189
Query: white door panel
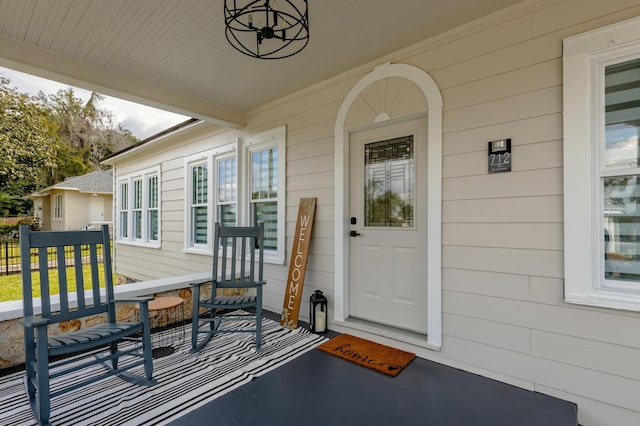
388,254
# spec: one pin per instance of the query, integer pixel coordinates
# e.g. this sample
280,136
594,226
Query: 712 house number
500,156
497,159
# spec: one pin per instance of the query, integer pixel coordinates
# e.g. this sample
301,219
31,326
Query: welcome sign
298,263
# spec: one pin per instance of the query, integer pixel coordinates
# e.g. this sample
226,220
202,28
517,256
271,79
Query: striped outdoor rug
185,381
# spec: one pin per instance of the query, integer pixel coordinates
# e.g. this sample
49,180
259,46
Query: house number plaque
500,156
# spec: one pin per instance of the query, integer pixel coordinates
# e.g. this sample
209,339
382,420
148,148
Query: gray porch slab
320,389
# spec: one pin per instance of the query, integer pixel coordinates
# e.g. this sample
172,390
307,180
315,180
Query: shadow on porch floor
319,389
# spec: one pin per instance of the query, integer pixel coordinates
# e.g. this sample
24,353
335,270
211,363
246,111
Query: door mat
385,359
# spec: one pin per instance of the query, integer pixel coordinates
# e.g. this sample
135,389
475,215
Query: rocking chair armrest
200,282
135,299
235,284
34,321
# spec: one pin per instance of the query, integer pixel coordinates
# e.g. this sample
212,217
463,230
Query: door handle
354,233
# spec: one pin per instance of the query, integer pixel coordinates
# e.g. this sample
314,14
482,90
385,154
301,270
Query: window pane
622,227
264,174
199,184
622,193
137,224
227,191
152,199
137,194
267,213
124,210
199,220
57,210
389,183
152,216
152,208
622,114
227,215
199,207
227,180
124,224
124,196
137,209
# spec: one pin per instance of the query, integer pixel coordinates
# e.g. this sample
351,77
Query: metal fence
10,256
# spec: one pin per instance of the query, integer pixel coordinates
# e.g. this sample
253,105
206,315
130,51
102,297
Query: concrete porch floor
320,389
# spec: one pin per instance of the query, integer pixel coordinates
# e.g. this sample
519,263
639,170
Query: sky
141,120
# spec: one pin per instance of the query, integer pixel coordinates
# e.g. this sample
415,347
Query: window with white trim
57,206
211,192
137,209
264,156
123,208
253,196
153,214
198,204
602,166
263,199
138,198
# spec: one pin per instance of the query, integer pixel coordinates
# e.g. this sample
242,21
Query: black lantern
318,312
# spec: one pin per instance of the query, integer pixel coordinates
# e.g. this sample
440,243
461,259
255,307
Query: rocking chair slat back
58,259
236,252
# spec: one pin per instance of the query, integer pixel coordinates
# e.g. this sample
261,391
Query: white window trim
120,210
210,157
57,207
147,225
142,175
244,147
141,180
583,56
272,138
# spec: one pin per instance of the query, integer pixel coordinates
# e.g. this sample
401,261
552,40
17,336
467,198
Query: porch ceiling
173,54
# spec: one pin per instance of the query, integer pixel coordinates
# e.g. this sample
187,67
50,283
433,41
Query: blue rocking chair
237,264
46,352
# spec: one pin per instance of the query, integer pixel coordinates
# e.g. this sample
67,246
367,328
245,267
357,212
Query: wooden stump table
166,315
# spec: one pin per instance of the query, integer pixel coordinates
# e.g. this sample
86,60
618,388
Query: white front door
388,225
96,210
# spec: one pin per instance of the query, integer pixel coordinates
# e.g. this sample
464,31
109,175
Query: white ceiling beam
43,63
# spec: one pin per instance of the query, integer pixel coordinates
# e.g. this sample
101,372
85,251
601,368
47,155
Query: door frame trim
434,194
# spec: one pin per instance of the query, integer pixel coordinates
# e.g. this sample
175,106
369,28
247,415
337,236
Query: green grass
11,285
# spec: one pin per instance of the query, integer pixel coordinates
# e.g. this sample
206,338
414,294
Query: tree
28,147
47,138
87,133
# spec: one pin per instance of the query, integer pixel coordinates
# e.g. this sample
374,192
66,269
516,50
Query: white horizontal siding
537,236
543,155
546,290
505,84
618,360
542,263
492,333
505,285
518,107
533,183
543,128
543,208
610,389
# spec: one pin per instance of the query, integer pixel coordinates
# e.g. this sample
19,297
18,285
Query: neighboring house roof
153,138
99,182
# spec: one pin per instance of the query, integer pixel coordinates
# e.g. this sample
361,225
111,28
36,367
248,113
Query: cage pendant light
267,29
